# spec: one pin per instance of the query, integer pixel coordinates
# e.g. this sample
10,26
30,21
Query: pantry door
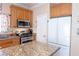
42,28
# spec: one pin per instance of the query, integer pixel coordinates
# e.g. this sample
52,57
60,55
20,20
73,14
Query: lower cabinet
16,41
34,36
9,42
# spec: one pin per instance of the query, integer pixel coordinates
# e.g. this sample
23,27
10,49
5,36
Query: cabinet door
52,30
64,30
16,41
28,16
9,42
13,21
6,43
31,18
20,13
63,9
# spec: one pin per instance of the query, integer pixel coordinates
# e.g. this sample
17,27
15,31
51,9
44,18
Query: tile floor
63,51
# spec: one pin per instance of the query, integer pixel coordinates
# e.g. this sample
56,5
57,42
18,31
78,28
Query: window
4,23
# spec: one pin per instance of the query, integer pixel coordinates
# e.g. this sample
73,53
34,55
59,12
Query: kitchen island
33,48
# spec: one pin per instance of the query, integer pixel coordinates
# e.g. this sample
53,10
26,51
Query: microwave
23,23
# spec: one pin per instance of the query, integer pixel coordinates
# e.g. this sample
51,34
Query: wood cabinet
20,13
13,21
16,41
9,42
34,36
63,9
28,16
5,43
31,18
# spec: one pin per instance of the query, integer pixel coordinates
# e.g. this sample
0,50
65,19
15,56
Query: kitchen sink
3,36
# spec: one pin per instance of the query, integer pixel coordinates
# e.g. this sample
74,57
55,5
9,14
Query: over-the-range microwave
23,23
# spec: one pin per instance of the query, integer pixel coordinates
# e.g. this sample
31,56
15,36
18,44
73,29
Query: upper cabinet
58,10
26,14
20,13
13,21
31,17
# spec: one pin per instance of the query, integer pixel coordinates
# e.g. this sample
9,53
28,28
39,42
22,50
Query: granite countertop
33,48
7,37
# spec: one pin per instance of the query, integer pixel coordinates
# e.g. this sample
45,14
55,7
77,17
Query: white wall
39,10
6,8
75,26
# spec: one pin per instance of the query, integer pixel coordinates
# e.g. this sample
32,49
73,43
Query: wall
6,8
75,26
39,10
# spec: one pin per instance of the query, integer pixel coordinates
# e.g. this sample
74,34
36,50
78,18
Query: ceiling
27,5
30,4
34,4
54,4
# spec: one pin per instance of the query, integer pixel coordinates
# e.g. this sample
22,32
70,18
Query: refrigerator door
52,30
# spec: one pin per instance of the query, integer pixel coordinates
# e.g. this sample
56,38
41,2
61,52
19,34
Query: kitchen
9,26
30,30
16,31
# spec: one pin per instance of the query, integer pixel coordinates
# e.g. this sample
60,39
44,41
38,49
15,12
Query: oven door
25,39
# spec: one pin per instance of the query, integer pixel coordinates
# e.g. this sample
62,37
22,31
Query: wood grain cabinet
13,22
34,36
28,16
63,9
9,42
16,41
20,13
31,18
5,43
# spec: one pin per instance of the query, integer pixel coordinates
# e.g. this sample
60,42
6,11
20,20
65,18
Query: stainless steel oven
25,36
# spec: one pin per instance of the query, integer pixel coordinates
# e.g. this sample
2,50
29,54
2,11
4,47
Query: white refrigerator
59,30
